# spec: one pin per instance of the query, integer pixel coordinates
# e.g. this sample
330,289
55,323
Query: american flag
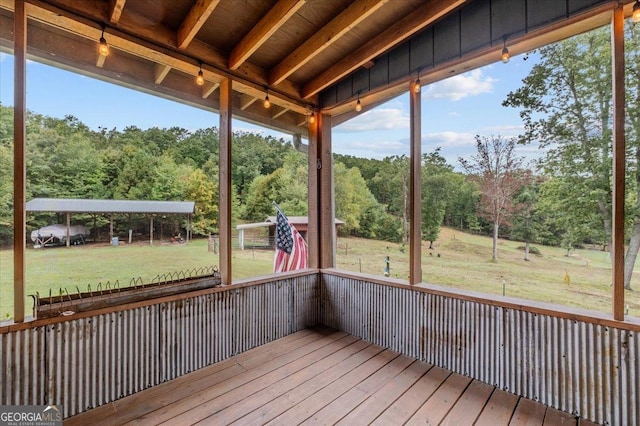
291,248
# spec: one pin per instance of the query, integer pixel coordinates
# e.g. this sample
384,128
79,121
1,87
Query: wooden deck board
299,384
259,377
555,417
377,403
321,376
324,396
470,405
528,413
288,399
499,409
434,410
405,406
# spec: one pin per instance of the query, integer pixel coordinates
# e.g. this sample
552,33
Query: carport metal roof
66,205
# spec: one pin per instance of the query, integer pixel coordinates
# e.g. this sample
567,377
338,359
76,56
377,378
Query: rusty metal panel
22,368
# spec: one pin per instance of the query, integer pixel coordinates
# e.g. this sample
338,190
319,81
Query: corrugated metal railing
91,361
579,367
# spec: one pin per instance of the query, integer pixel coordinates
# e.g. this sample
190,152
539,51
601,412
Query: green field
464,261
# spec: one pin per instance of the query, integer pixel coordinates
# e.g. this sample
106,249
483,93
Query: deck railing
579,362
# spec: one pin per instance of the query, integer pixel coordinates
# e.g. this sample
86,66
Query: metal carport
111,207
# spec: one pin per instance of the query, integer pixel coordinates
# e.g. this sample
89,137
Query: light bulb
104,47
416,86
505,55
200,78
358,106
312,118
267,102
635,16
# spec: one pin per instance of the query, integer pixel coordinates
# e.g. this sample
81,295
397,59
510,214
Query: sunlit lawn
464,261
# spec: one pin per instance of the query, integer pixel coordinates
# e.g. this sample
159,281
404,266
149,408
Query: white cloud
376,119
447,139
366,149
458,87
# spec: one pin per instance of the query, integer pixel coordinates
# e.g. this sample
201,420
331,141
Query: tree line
564,199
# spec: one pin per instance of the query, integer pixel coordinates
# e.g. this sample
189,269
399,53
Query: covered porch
188,357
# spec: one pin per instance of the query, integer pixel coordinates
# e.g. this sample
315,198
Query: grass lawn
464,261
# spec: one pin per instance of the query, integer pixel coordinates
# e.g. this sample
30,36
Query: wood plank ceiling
290,49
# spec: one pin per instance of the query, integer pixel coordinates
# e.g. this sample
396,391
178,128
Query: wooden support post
151,231
224,215
327,211
68,229
415,188
313,194
19,165
110,228
617,54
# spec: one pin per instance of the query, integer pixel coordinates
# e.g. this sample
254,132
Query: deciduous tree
498,169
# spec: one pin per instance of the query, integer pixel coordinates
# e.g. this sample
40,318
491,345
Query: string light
635,16
103,48
200,77
505,52
416,86
312,117
267,102
358,104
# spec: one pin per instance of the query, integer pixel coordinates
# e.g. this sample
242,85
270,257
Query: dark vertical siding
474,26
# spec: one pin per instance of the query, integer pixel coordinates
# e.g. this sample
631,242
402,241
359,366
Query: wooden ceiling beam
398,32
269,24
161,72
194,20
330,33
115,10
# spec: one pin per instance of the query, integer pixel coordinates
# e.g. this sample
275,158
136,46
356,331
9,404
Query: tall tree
438,184
497,169
565,104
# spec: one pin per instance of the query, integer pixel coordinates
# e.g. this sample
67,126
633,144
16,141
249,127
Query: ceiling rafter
246,101
327,35
279,113
160,72
398,32
194,20
115,10
269,24
209,88
100,61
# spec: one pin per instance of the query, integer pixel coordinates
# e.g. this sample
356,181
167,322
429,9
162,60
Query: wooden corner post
224,214
19,165
617,54
321,235
415,188
313,196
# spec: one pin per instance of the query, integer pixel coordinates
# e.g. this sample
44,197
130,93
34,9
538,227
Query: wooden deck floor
323,376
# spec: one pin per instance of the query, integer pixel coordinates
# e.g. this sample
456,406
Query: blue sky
453,111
